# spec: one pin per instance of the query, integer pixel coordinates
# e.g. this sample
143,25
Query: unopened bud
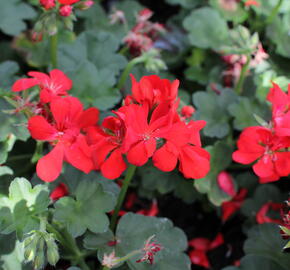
85,5
65,10
52,250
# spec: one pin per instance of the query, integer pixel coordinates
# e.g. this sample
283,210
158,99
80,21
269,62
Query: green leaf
87,210
237,15
15,259
7,73
167,181
132,232
204,32
93,64
20,207
12,14
250,262
278,33
220,159
243,112
265,242
213,109
185,3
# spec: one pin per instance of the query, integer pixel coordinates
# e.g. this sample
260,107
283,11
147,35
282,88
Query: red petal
218,241
113,167
194,162
165,158
61,79
49,167
79,155
60,191
199,243
245,158
264,167
23,84
66,110
89,117
198,257
40,129
137,155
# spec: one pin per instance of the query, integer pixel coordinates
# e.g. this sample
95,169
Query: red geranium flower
259,143
52,86
183,145
64,133
152,90
143,133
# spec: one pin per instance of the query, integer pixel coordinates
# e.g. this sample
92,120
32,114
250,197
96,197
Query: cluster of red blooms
199,248
148,125
142,36
65,7
236,62
268,145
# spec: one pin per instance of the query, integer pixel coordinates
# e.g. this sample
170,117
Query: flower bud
65,10
85,5
52,251
187,111
226,183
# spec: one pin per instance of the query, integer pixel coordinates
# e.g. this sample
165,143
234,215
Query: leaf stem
240,83
127,71
274,12
53,50
129,175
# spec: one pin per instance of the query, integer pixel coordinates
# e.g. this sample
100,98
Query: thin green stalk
240,83
127,71
129,175
53,50
70,245
274,12
38,152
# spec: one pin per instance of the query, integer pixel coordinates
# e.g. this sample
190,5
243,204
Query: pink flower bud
226,183
65,11
47,4
187,111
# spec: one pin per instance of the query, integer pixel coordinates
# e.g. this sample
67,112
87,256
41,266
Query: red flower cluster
147,126
65,8
144,33
61,122
268,145
200,246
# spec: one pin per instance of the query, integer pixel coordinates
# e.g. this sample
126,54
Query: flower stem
53,50
129,175
240,83
274,12
127,71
